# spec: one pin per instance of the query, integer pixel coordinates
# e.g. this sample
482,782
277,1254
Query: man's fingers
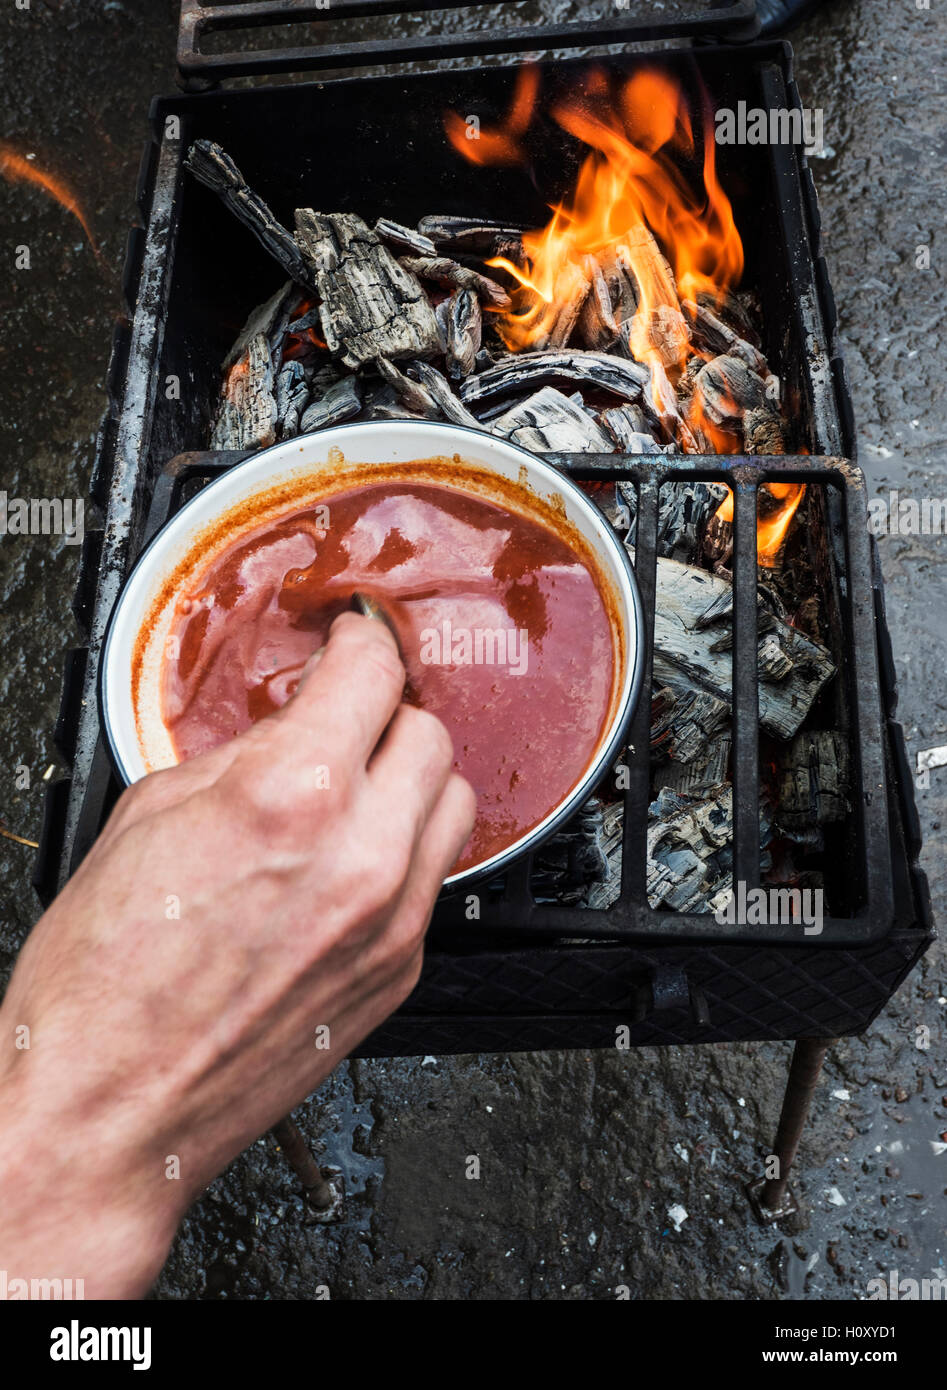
442,840
411,765
348,693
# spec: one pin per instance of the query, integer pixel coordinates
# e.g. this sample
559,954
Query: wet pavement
581,1154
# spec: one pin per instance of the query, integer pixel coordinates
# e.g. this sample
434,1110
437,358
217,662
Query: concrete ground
582,1155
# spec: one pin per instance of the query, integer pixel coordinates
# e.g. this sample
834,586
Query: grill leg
772,1198
319,1191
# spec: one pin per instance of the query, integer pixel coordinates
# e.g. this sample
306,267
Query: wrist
81,1200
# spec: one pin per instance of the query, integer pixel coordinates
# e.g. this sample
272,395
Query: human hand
233,905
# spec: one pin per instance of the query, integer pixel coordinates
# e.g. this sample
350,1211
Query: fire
502,145
631,199
647,200
779,503
19,170
771,529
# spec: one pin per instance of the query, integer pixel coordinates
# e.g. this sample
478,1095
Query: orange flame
502,145
19,170
631,199
771,529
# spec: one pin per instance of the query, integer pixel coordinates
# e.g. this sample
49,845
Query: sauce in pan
504,631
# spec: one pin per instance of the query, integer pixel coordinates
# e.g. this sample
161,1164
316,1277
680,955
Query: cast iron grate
509,905
633,21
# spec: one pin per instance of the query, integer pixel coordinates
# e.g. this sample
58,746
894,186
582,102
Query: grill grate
510,905
632,22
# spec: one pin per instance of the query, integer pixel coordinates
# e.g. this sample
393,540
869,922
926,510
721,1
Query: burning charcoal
662,404
419,401
340,402
625,422
471,236
731,310
684,722
683,511
441,317
597,326
774,664
439,387
684,835
814,780
557,320
385,404
292,397
763,432
287,383
728,388
444,272
212,167
575,858
668,334
370,305
527,369
707,769
404,238
483,360
261,320
297,327
719,337
464,325
622,286
642,258
686,653
246,418
551,422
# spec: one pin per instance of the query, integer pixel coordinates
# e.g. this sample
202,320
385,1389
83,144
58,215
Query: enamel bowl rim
542,477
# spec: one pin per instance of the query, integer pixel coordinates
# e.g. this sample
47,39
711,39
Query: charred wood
531,369
212,167
451,274
552,422
370,305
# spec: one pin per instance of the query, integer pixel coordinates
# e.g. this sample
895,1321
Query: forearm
81,1197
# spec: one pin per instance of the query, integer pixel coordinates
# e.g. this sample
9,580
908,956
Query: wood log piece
763,432
685,721
597,327
473,236
410,393
718,337
340,402
531,369
370,306
439,388
728,388
263,319
246,417
464,326
814,780
442,271
404,238
212,167
552,422
689,655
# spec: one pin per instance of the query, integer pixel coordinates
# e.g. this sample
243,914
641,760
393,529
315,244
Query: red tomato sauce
505,636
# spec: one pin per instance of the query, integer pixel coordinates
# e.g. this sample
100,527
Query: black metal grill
528,974
632,21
